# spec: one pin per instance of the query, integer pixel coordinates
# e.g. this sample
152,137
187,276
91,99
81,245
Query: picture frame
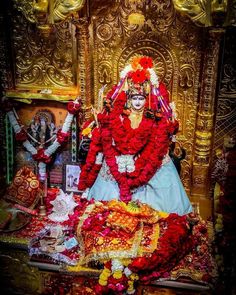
71,177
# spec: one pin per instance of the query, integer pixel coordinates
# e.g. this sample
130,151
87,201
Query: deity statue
128,157
42,130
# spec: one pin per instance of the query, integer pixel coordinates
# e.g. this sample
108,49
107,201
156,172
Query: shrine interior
61,67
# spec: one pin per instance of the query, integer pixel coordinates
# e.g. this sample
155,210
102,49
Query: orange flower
135,62
146,62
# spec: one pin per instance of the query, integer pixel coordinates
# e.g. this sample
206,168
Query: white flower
30,148
125,163
67,123
173,107
125,71
63,206
153,77
116,265
85,193
127,272
42,171
14,122
52,148
99,159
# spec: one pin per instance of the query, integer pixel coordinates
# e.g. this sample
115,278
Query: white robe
164,191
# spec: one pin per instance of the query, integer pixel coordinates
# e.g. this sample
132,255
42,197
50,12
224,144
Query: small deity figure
128,158
42,131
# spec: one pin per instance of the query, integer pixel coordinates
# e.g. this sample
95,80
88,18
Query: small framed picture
71,177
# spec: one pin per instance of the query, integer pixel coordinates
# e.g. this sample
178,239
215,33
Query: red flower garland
74,106
148,143
91,169
62,137
40,156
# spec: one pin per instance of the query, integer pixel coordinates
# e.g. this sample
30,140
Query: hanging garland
132,155
41,155
133,158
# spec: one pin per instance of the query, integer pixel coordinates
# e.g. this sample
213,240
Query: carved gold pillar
84,62
205,120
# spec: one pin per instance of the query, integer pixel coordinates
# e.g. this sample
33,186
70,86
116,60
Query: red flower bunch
41,157
146,62
74,106
62,137
90,170
114,286
139,76
174,243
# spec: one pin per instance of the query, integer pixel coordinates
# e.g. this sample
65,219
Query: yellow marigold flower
106,270
126,262
102,282
131,284
86,131
100,241
117,274
130,289
115,241
104,276
163,214
134,277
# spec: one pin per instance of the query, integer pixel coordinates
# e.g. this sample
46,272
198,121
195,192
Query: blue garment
164,191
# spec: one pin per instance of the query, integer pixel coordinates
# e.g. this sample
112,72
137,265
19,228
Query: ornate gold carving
186,76
84,63
172,41
164,60
204,130
228,82
203,12
225,123
44,63
47,12
104,73
231,13
159,16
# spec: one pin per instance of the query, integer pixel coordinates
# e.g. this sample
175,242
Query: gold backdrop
172,42
58,56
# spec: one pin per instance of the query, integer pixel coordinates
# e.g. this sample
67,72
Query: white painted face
138,102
